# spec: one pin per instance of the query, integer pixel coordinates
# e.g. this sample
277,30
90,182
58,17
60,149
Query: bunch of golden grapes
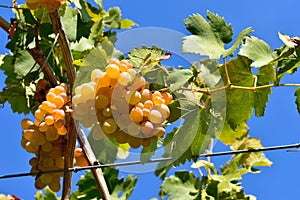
125,107
44,138
49,5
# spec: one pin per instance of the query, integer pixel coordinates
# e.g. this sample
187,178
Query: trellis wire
76,169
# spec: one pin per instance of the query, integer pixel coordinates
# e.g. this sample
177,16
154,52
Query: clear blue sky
279,126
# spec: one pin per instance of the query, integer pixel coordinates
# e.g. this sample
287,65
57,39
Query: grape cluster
49,5
44,138
125,107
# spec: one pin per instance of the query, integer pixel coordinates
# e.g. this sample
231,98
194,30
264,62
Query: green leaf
287,40
180,186
289,61
208,73
83,45
265,75
23,63
69,21
114,17
105,149
48,195
229,135
237,42
222,31
186,134
119,188
257,50
297,94
97,31
179,78
127,24
204,163
96,59
239,102
147,152
209,38
142,56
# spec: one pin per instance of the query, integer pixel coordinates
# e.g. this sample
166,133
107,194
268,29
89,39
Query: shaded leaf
265,75
239,102
179,78
23,63
297,94
147,152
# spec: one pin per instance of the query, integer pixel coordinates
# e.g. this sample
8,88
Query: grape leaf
23,63
119,188
229,135
287,40
289,63
257,50
147,152
114,17
180,186
209,38
69,21
142,56
105,149
265,75
127,23
15,92
178,78
239,102
297,94
48,195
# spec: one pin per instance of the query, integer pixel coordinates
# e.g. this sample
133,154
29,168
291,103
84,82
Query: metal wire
289,146
76,169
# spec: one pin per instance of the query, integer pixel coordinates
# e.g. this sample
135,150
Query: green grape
26,123
133,129
133,97
155,117
31,148
107,112
51,134
54,185
87,91
96,73
60,162
147,128
47,162
124,78
47,147
46,178
109,126
28,134
101,101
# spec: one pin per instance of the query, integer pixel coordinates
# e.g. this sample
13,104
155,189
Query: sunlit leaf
257,50
180,186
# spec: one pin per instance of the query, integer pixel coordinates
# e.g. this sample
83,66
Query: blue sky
279,126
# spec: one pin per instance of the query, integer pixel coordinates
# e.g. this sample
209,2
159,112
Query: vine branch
68,58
